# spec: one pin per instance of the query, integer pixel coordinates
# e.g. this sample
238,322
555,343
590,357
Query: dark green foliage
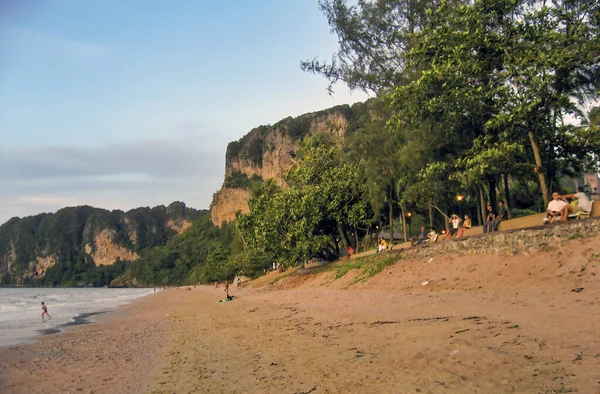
251,147
202,254
64,235
238,180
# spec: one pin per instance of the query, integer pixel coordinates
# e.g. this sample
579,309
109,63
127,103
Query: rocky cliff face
267,152
104,249
226,203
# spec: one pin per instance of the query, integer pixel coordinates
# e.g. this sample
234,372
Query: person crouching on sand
45,311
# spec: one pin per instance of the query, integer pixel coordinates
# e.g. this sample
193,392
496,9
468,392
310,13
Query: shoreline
67,314
92,354
481,323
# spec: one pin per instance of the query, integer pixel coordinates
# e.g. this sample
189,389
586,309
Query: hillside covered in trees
84,245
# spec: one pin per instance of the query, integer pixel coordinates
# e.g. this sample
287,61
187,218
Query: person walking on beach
45,311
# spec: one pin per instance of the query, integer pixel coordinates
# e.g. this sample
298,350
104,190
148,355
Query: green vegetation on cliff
62,238
202,254
251,147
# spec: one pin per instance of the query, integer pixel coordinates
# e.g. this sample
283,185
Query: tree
373,36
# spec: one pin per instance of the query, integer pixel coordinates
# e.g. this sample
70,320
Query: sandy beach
451,324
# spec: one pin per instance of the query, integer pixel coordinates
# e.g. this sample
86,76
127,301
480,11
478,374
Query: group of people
458,227
493,219
559,209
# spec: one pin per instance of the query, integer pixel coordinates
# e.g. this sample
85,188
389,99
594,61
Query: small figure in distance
45,311
226,289
432,235
557,208
466,224
382,245
456,223
489,219
421,237
502,213
239,283
583,202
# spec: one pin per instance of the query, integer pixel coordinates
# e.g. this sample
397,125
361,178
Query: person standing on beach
227,289
45,311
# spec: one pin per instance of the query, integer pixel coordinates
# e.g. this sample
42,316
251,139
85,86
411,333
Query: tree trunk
503,197
403,222
391,221
481,205
506,191
540,172
430,215
357,246
343,239
443,215
492,192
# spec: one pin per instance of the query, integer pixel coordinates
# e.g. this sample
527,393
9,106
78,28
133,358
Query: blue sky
119,104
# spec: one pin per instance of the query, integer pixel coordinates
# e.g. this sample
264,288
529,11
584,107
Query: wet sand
480,324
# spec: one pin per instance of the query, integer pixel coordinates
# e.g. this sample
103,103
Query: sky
121,104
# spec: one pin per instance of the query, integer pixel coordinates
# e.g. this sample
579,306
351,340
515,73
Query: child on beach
45,311
226,289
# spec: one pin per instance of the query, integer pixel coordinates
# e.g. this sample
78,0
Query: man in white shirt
583,203
557,208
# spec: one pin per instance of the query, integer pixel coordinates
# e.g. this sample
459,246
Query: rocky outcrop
226,203
40,265
269,151
179,225
105,251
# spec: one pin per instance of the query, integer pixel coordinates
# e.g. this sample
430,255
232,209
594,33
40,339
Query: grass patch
276,279
575,235
368,267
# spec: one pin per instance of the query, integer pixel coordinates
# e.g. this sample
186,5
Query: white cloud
117,176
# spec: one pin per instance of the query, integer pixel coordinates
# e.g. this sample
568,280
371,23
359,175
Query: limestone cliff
267,152
227,202
104,250
68,243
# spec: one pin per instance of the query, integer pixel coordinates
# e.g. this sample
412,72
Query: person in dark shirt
489,219
421,237
502,213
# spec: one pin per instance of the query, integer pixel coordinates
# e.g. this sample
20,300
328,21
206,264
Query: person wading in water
45,311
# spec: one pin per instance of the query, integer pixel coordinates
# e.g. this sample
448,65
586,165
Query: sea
21,309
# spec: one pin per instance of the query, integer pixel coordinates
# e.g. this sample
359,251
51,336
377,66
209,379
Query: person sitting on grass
432,235
456,222
421,237
557,208
583,203
382,245
465,224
